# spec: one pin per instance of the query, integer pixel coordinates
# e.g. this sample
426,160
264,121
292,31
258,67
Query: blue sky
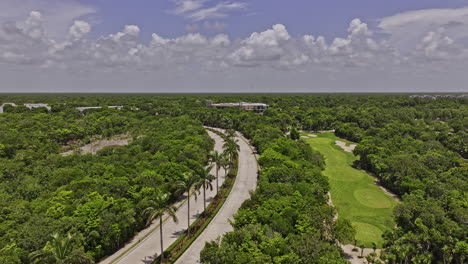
329,18
233,45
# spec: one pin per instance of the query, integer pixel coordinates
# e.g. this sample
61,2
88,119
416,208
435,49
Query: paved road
245,182
150,247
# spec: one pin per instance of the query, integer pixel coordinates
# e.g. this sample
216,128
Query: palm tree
231,149
225,163
374,246
230,133
60,251
158,207
216,158
362,250
205,178
188,183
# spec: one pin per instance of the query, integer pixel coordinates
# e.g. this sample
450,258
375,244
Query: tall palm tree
60,252
231,133
216,158
231,149
158,207
205,178
188,184
225,163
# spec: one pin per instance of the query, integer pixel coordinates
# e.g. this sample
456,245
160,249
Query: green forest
416,147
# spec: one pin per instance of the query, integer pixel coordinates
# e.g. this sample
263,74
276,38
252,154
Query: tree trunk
188,214
204,198
161,235
217,180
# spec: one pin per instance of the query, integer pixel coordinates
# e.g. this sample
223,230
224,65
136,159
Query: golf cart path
246,181
148,248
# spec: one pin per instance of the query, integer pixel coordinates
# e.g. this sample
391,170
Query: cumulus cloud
264,47
58,15
221,40
437,45
79,29
24,43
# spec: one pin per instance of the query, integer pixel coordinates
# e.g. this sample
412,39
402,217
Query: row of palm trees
60,248
191,183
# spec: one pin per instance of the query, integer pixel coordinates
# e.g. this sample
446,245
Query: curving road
147,248
246,181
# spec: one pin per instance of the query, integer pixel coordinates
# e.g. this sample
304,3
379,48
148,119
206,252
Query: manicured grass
354,193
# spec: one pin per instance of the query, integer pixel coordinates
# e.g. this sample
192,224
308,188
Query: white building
243,105
31,106
1,106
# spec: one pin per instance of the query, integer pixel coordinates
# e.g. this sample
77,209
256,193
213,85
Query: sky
191,46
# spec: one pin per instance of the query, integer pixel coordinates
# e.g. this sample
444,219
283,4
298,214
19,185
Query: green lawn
354,193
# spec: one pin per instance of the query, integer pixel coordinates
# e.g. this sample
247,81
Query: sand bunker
94,147
348,148
304,137
312,135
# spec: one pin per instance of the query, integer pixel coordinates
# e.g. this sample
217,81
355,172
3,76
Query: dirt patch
94,147
354,256
330,203
347,148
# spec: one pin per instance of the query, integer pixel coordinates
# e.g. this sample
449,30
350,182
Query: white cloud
197,10
271,37
220,10
266,46
407,29
438,46
58,15
184,6
24,43
33,25
191,40
117,50
221,40
79,29
158,40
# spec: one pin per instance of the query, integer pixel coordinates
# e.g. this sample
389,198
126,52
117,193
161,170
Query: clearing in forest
94,147
354,193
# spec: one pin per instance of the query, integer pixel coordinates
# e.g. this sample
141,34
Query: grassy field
354,193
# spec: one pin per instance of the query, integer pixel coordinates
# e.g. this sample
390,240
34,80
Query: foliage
101,197
415,146
287,206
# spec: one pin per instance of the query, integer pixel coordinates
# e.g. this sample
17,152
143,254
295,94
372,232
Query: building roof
240,104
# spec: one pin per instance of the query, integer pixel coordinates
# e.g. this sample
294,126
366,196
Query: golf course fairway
354,193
